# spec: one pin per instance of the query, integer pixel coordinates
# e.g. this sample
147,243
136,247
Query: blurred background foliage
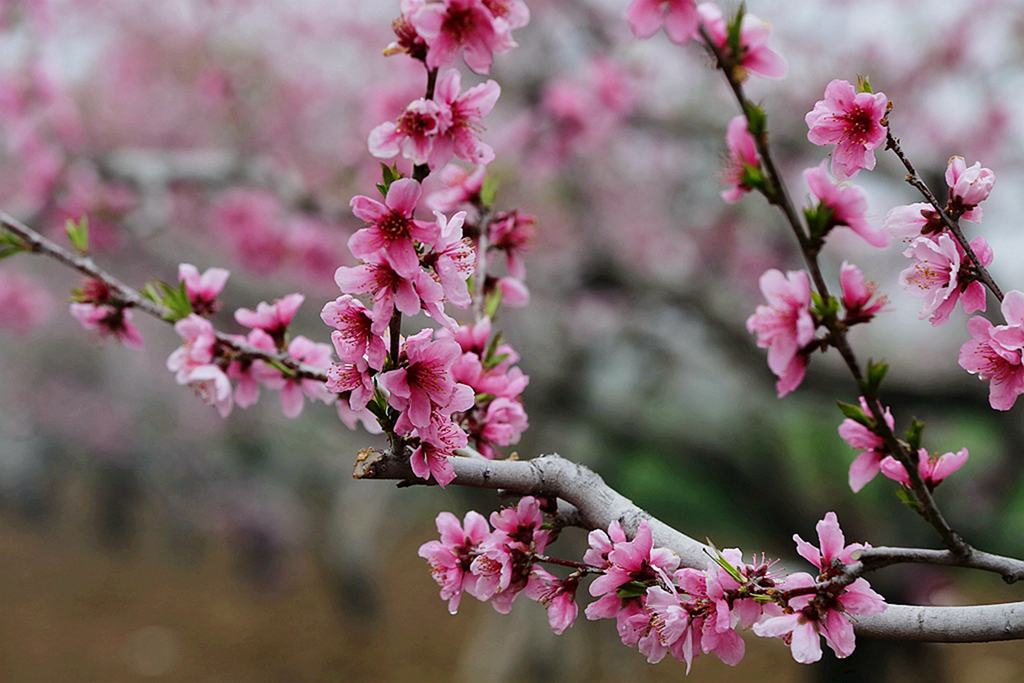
143,538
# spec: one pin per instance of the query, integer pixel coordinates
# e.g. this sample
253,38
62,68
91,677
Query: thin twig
132,298
779,196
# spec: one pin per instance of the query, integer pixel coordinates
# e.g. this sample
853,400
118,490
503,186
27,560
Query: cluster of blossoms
437,390
209,363
659,607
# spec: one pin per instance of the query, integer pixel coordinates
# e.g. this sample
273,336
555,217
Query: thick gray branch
597,505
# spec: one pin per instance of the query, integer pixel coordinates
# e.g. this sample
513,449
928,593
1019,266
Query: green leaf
757,120
864,84
389,174
720,560
633,589
914,434
876,373
907,498
819,221
488,191
78,233
172,297
10,244
733,36
492,303
855,413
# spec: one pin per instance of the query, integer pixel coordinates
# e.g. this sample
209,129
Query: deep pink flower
313,354
413,134
993,361
354,379
968,187
251,373
352,336
1011,335
742,153
933,468
426,380
668,627
858,294
105,320
467,25
390,227
204,289
679,17
601,544
274,318
847,203
453,258
451,557
866,465
461,136
637,560
390,290
941,276
557,595
785,325
755,56
511,232
459,187
833,545
827,613
851,121
409,41
502,425
505,565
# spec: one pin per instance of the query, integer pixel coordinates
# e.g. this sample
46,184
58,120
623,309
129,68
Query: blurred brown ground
73,612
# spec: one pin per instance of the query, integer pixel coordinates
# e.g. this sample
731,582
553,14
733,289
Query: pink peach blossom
468,26
413,134
390,227
108,321
426,380
557,595
933,468
847,203
450,558
857,295
993,361
251,373
204,289
755,55
310,353
853,122
866,465
274,318
785,325
742,153
461,136
679,17
940,275
968,187
352,336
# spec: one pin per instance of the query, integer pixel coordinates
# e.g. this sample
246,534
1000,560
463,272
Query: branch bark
596,505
